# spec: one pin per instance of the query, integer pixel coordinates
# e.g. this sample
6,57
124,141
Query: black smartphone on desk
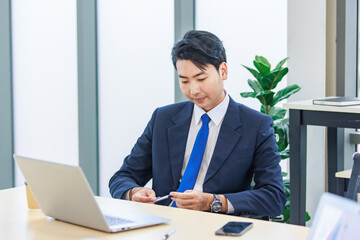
234,228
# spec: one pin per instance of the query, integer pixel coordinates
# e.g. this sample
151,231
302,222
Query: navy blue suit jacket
245,148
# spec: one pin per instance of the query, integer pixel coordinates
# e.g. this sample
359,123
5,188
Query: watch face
216,206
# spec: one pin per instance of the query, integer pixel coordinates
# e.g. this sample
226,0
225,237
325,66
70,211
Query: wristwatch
216,205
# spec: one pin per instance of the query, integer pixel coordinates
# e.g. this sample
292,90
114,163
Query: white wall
135,74
307,52
45,80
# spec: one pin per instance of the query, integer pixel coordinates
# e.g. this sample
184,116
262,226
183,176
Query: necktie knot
205,119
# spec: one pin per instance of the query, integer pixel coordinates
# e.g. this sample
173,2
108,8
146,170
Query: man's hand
194,200
142,194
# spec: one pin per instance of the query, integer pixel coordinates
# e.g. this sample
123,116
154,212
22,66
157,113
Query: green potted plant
266,80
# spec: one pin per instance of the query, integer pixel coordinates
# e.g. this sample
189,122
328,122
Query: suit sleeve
137,167
267,198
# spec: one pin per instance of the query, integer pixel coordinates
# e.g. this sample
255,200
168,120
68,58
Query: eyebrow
196,75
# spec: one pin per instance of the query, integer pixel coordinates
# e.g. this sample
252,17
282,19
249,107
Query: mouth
199,100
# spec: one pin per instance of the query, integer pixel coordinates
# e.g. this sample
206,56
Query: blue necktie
192,169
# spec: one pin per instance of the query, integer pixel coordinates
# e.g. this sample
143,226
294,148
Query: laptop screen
336,218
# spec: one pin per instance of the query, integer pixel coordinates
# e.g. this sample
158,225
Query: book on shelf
337,101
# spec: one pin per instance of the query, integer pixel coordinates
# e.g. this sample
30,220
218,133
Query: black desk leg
335,140
297,167
340,186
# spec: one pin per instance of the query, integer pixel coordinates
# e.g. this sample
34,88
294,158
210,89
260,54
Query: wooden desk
17,222
344,174
301,114
342,179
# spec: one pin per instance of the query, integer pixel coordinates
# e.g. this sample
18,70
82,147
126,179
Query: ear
223,70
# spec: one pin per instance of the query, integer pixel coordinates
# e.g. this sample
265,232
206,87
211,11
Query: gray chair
354,183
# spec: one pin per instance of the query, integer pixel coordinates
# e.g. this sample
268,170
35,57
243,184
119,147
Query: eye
184,82
201,79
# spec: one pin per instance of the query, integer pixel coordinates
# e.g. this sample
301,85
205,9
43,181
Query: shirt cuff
231,209
126,195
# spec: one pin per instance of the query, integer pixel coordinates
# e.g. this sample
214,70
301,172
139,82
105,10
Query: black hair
201,48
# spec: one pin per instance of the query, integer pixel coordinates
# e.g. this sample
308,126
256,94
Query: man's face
205,88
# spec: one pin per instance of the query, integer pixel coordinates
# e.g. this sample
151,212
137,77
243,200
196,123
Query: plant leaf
262,109
277,113
285,93
285,154
248,94
265,97
255,85
255,73
280,64
286,214
262,68
287,188
281,129
287,183
263,60
271,80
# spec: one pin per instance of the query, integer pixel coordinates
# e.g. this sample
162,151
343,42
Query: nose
195,88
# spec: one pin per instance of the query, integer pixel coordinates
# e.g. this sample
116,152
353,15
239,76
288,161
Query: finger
186,205
189,203
185,195
173,194
185,201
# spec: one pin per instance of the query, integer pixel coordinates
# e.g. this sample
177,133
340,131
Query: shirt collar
216,114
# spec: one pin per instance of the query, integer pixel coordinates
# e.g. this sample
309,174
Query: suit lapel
229,136
177,138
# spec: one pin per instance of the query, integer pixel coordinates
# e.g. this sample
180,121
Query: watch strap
216,197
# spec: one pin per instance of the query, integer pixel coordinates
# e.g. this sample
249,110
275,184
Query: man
208,166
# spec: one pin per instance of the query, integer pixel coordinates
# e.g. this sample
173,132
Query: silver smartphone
234,228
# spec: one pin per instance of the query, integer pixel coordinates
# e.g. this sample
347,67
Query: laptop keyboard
113,221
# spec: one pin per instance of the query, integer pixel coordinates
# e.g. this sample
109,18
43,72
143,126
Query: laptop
336,218
62,192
